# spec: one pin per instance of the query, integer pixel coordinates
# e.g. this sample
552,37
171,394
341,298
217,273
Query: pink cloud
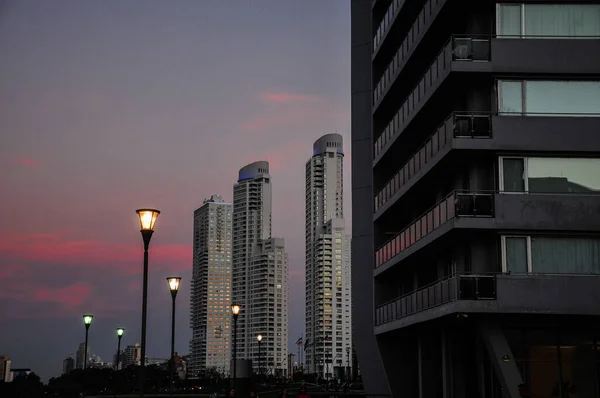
286,98
70,296
123,258
28,162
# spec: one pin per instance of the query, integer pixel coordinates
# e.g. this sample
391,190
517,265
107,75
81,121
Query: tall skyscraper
476,191
80,355
68,365
328,261
210,301
5,371
256,256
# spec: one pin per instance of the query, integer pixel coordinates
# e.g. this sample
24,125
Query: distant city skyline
106,107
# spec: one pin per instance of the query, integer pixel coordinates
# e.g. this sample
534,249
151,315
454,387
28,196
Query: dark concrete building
476,197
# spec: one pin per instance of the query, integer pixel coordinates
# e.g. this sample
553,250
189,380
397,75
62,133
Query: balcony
463,49
447,290
493,294
457,125
456,204
457,50
417,30
386,23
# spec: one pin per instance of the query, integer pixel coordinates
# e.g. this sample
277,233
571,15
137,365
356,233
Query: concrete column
502,359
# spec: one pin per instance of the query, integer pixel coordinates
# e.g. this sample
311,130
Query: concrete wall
362,202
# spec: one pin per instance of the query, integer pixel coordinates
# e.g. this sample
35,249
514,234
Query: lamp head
174,283
120,331
147,218
259,338
235,310
87,319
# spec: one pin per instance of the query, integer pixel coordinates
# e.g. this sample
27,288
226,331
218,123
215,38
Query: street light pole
235,310
259,338
120,332
87,321
147,221
174,288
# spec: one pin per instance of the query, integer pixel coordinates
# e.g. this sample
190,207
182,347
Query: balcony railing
457,125
456,204
464,48
386,23
453,288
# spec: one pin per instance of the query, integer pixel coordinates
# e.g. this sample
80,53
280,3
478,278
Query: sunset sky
108,106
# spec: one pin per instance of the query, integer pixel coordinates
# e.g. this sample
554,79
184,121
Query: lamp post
87,321
147,221
235,310
120,332
259,338
174,288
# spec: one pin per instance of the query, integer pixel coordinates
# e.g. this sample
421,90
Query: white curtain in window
568,20
565,255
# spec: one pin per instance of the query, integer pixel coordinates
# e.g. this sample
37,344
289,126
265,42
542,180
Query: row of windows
550,255
548,20
549,175
548,97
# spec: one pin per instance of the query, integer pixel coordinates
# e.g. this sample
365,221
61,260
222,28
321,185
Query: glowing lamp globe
235,310
147,218
174,283
87,319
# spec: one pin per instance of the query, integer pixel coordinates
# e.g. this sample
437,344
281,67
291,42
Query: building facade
328,261
210,301
5,371
268,307
475,149
132,355
256,254
68,365
80,355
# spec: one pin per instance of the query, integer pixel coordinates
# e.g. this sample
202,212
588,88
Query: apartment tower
210,313
260,273
476,197
328,315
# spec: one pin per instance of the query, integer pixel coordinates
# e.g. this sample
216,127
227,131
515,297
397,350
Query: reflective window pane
509,20
510,99
516,254
562,98
513,170
563,175
562,20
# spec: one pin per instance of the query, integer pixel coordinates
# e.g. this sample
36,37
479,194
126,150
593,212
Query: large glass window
555,362
548,20
549,175
549,97
551,255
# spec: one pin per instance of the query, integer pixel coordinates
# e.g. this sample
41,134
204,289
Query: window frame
500,99
501,175
504,256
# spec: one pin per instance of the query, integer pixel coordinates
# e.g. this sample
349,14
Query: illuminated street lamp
235,310
259,338
174,288
87,321
120,332
147,221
